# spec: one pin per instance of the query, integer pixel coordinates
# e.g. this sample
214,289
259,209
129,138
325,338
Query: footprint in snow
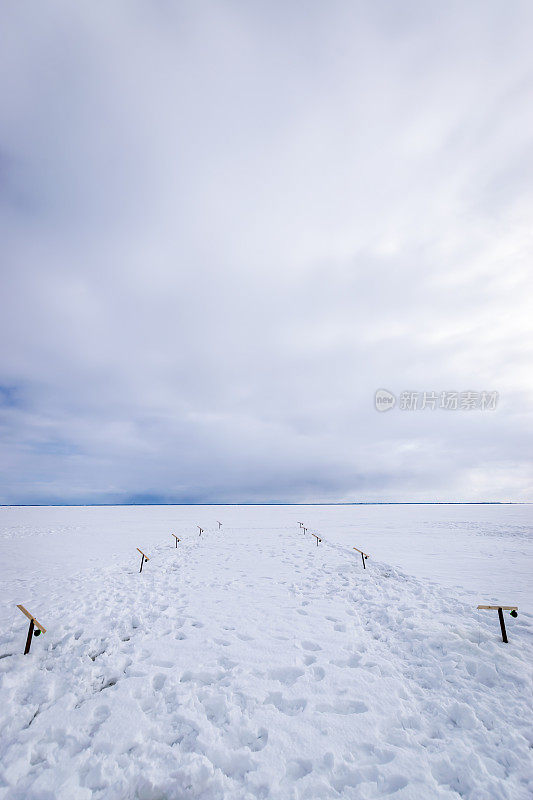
393,784
290,707
107,684
298,768
227,663
255,742
310,646
158,681
343,708
100,715
203,678
347,777
384,756
286,675
354,661
185,734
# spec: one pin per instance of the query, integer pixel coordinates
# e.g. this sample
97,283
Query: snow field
250,663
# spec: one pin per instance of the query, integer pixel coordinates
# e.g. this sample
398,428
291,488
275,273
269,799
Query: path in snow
253,664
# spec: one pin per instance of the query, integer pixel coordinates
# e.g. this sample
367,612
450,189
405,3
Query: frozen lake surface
483,550
250,663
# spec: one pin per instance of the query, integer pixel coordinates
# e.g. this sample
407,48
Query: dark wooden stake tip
28,640
502,626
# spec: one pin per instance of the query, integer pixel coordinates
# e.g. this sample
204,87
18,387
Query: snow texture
250,663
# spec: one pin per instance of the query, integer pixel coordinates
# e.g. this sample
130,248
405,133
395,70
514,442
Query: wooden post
363,556
219,525
304,529
28,640
31,630
318,539
200,529
143,559
502,626
176,538
500,610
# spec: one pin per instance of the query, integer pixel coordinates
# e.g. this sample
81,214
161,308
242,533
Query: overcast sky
225,225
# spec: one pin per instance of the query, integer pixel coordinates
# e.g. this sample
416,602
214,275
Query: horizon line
275,503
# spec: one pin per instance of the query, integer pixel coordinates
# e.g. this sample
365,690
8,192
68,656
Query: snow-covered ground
250,663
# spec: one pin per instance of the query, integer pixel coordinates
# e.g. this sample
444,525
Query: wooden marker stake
317,538
304,529
143,559
502,626
200,529
176,538
28,640
500,610
363,556
31,630
219,525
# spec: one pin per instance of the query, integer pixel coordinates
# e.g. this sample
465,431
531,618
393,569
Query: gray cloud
226,225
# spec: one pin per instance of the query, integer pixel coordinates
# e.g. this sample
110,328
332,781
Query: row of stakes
513,610
144,557
364,556
35,628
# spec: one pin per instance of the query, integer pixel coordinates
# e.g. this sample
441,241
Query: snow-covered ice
250,663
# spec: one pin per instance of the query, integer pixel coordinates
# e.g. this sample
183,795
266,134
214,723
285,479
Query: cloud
225,226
